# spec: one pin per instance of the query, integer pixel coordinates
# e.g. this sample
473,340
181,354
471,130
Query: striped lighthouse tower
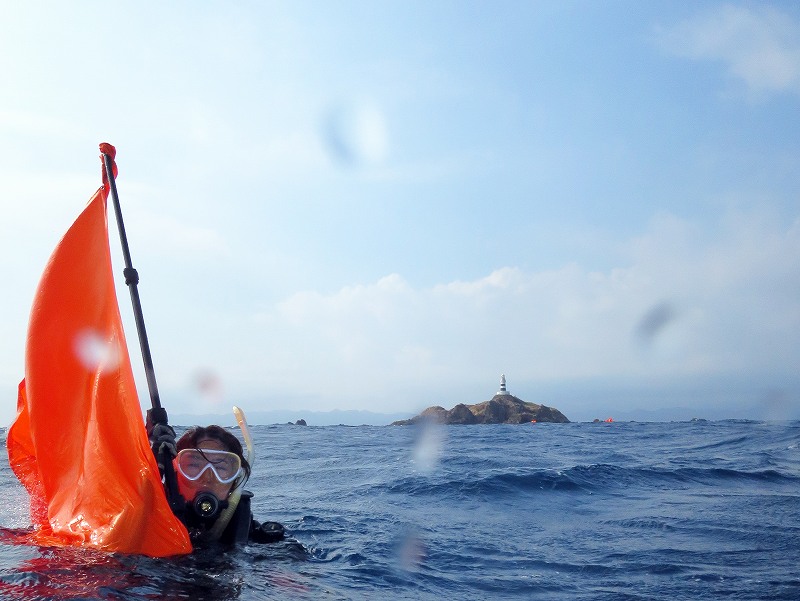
503,390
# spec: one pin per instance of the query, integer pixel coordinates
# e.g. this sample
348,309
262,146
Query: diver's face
207,482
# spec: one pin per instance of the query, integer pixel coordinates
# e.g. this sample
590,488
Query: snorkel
215,532
248,440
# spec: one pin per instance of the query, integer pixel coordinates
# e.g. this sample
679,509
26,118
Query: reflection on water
72,573
214,573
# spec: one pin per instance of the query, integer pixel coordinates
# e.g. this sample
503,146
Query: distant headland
503,408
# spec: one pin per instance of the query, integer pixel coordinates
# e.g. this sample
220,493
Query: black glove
162,441
268,532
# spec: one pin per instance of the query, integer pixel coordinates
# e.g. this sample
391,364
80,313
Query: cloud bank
759,45
720,306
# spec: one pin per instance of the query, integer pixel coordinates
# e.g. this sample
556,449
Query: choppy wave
588,479
556,511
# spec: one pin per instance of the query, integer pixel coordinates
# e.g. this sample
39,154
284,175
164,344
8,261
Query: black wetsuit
243,528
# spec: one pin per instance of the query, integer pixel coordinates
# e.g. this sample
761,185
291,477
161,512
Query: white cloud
169,235
758,44
36,124
732,301
37,209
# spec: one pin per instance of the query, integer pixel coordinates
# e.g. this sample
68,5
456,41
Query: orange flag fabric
78,443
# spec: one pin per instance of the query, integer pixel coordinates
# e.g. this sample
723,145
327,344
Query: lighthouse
503,390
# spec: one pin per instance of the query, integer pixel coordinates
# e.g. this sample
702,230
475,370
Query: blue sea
616,511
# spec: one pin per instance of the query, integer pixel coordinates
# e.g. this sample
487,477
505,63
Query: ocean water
696,510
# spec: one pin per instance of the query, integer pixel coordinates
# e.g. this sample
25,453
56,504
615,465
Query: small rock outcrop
501,409
461,414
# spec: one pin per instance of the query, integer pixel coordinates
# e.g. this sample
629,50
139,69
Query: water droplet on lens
356,134
95,351
428,448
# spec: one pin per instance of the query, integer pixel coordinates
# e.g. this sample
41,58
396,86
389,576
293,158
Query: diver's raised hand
162,438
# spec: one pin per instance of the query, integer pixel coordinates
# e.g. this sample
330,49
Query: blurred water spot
779,405
411,551
209,385
95,352
654,320
356,134
428,447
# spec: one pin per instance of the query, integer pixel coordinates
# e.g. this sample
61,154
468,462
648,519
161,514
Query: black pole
157,415
132,280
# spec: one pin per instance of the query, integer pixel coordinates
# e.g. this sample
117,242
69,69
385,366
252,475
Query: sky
385,206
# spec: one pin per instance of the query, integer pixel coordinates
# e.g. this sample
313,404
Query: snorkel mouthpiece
207,507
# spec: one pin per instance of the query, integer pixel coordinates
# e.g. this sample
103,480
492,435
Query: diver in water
211,470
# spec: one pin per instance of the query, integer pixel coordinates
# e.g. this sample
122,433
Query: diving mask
193,463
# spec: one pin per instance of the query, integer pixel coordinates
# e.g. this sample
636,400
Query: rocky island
503,408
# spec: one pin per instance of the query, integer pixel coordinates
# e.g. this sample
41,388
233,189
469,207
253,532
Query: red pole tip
108,149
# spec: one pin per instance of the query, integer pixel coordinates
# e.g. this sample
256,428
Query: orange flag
79,444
